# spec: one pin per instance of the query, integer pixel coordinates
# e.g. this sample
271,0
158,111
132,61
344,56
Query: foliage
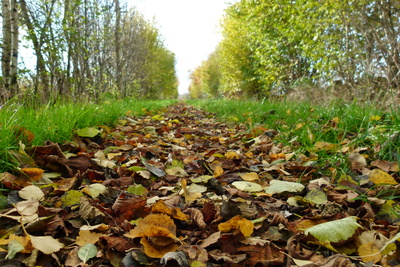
206,79
268,47
84,49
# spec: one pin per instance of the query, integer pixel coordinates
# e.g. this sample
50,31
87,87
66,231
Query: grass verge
58,122
328,129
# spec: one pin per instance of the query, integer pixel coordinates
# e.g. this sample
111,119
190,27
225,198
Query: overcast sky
189,27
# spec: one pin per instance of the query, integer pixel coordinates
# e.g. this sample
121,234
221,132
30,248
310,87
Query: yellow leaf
155,251
232,155
245,226
23,240
375,118
378,176
249,177
87,237
154,225
321,145
218,171
176,213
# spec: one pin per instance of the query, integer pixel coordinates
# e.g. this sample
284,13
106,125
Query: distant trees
206,78
269,47
86,49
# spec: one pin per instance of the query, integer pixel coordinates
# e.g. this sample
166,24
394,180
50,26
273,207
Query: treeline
281,47
83,49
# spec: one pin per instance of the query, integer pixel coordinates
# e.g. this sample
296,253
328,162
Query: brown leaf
267,255
120,244
128,208
197,217
212,239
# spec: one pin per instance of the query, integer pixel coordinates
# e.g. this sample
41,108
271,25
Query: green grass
301,125
58,122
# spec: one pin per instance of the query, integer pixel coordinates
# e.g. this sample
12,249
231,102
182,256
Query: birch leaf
334,231
277,187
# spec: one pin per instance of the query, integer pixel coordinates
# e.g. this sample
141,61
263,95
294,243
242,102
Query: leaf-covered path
178,188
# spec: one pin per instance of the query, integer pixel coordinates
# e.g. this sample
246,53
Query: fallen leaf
247,186
31,192
250,176
316,196
334,231
369,244
158,235
212,239
87,252
176,213
72,197
46,244
378,176
94,190
87,237
88,132
245,226
278,187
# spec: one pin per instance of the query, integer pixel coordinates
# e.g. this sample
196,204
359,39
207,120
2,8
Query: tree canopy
269,47
85,49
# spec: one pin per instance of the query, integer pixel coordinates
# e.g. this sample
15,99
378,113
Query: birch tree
9,57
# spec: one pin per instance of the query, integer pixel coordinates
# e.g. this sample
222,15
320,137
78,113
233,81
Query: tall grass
57,122
301,124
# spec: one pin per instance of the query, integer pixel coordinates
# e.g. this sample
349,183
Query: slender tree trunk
118,46
7,45
14,48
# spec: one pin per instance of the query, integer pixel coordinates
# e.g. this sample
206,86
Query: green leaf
88,132
316,196
277,187
72,197
390,245
3,202
139,190
334,231
201,179
13,248
87,252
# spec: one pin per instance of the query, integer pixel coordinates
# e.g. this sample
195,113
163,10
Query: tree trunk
117,45
6,53
14,48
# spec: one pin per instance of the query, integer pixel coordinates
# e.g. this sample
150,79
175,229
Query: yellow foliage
176,213
158,235
378,176
245,226
218,171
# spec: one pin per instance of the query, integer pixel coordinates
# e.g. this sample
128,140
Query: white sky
189,27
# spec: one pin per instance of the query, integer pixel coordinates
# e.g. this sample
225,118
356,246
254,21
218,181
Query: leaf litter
179,188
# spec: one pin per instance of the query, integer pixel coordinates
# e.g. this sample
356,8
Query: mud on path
174,187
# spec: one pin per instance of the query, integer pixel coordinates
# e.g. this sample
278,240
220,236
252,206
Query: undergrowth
302,125
57,122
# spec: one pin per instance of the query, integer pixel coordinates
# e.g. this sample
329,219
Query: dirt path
174,187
